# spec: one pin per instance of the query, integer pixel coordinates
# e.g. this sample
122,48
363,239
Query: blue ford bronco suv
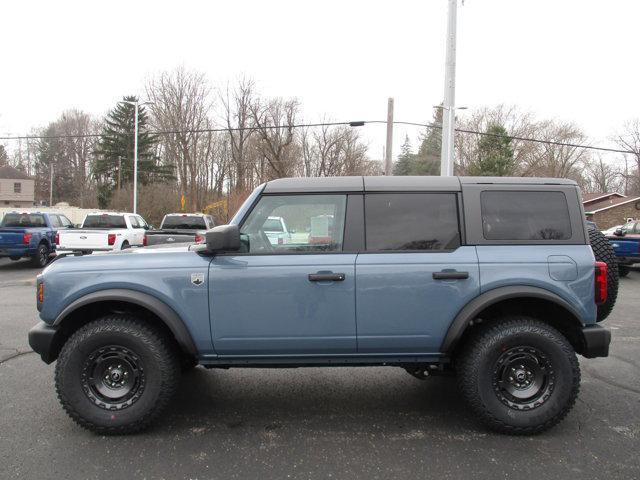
491,279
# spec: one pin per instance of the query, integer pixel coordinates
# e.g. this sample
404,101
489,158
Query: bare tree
274,121
629,139
602,177
332,151
237,117
181,105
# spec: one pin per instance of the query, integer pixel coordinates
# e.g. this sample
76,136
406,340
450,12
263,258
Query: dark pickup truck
626,245
31,235
180,228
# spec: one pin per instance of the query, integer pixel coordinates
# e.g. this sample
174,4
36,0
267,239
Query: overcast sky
570,60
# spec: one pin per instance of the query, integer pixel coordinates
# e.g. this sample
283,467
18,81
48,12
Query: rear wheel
116,375
125,245
15,259
603,251
623,270
519,376
41,257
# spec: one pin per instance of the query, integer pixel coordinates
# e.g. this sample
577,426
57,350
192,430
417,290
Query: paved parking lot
374,423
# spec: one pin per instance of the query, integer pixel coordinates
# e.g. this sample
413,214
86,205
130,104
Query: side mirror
619,232
223,238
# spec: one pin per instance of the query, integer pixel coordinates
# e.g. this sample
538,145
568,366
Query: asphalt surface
374,423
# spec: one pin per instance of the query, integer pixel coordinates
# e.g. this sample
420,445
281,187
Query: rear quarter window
525,215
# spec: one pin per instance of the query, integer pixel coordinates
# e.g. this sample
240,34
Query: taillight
601,282
26,238
144,240
198,238
111,238
56,239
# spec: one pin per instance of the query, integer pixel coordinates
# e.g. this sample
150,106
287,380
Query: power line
358,123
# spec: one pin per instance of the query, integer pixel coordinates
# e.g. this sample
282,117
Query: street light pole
135,158
449,117
136,105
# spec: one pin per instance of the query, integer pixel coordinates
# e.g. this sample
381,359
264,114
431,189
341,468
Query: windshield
104,221
23,220
180,222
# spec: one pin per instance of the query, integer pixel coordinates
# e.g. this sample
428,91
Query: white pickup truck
103,232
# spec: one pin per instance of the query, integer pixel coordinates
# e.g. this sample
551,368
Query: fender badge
197,278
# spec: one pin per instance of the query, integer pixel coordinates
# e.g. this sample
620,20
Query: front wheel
116,374
519,376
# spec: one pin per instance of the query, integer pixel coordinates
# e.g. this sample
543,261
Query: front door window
295,224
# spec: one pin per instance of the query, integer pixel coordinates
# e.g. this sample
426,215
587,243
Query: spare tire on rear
603,251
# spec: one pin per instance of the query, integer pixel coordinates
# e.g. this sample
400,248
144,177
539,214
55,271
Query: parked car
276,230
493,280
103,232
180,228
31,235
625,241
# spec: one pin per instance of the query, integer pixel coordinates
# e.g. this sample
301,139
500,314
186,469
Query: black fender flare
165,313
486,299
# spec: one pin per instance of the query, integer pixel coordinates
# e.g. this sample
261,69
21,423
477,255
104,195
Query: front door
414,276
286,295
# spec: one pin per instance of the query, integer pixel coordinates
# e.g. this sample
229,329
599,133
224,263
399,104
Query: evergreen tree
404,164
114,164
4,159
495,154
427,160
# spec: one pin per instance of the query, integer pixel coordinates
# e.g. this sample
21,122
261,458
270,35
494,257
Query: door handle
326,277
450,275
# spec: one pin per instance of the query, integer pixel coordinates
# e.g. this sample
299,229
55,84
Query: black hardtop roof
397,184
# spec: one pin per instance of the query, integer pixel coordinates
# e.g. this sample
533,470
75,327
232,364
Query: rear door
287,299
414,275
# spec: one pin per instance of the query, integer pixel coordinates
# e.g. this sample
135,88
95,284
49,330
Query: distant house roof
591,198
616,202
8,172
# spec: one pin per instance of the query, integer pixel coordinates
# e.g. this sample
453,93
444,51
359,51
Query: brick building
610,209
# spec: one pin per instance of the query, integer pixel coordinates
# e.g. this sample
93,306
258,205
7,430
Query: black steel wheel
523,378
41,257
519,375
116,374
113,377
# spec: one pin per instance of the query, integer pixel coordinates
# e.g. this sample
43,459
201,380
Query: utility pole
51,184
449,113
388,153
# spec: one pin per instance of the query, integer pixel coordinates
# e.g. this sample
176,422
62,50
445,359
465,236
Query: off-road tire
477,364
157,360
41,257
623,270
603,251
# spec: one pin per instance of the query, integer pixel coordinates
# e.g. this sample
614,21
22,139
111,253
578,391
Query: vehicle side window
134,222
411,221
55,221
508,215
66,223
141,222
210,222
295,223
